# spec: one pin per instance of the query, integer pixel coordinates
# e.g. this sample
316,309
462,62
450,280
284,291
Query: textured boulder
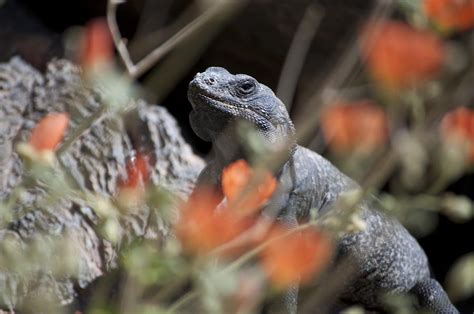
96,161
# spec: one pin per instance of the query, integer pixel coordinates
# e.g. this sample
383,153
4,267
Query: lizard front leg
289,302
278,209
291,295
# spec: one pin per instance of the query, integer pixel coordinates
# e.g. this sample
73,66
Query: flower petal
295,257
399,56
49,131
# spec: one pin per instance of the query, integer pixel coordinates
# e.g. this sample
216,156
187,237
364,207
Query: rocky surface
96,160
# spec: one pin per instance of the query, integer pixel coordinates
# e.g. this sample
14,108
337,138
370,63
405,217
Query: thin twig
339,76
116,35
236,264
260,228
252,253
78,132
135,70
297,54
347,212
140,46
159,52
182,301
81,129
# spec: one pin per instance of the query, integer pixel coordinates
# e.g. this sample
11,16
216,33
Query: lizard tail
432,296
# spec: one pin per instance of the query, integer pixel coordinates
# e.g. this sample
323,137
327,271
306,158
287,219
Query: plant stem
80,130
183,300
250,254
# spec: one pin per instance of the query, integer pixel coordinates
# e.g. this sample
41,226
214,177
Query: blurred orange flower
137,172
295,257
360,125
458,126
131,190
49,131
399,56
236,177
450,14
201,228
97,46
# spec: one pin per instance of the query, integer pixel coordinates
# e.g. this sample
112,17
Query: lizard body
386,256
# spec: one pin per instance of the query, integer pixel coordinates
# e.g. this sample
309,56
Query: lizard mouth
219,104
245,112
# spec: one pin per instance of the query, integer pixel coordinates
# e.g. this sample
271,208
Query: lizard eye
247,87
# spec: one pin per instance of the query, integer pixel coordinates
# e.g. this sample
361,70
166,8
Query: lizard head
220,98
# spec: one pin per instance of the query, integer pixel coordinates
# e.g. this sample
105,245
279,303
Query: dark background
253,42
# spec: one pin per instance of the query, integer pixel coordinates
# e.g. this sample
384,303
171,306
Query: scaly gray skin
386,256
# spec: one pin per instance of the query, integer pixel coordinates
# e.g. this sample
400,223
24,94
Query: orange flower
450,14
97,45
49,132
458,126
235,179
137,172
399,56
201,228
131,191
295,257
360,125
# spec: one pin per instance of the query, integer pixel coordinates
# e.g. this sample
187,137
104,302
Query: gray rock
96,161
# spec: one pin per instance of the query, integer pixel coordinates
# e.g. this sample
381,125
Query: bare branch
297,54
137,69
117,37
340,76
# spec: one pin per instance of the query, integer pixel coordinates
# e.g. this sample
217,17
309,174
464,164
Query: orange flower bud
137,172
295,257
360,125
201,228
49,131
450,14
399,56
458,126
97,45
131,191
236,177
